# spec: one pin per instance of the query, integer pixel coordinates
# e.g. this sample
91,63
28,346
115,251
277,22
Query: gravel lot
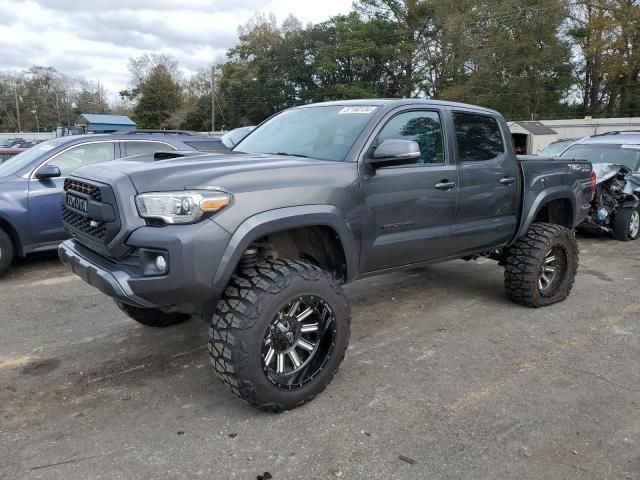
442,369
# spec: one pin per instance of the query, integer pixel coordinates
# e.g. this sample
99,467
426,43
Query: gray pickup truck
258,241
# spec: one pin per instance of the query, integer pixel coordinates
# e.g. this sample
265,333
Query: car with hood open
615,208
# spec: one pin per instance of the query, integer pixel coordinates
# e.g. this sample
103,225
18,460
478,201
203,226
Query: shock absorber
249,257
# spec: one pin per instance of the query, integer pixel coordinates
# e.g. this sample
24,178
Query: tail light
593,184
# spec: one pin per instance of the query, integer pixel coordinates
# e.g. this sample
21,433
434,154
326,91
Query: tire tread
239,310
523,257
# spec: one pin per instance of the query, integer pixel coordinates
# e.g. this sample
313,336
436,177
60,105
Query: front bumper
109,281
194,253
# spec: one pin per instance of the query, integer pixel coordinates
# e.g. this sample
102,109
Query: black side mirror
395,152
48,171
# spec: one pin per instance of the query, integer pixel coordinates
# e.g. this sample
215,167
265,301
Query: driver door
411,208
45,195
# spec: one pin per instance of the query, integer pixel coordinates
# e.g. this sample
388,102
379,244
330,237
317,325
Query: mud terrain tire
547,252
241,328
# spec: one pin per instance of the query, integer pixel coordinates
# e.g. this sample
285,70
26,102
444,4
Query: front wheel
541,267
279,333
6,251
626,224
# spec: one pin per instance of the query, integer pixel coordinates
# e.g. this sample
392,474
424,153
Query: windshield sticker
46,148
365,110
636,147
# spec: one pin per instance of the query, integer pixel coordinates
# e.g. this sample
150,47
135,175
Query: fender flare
544,197
281,219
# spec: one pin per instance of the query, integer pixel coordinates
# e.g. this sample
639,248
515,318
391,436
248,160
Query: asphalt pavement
445,378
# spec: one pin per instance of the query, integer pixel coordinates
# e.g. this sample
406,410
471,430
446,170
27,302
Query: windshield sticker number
636,147
365,110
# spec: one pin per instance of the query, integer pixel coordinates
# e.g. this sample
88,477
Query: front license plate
77,203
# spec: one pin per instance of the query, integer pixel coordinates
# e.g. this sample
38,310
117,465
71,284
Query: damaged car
615,207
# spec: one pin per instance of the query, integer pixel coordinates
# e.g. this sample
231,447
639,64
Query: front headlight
181,207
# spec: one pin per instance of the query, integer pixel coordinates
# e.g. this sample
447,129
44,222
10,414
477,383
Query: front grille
100,223
83,224
82,187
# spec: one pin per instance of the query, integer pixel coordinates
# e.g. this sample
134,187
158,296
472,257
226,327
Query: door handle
445,185
507,180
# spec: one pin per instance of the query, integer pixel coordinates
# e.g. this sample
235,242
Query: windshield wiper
285,154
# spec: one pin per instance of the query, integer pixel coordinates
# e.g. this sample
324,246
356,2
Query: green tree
159,95
607,36
510,56
266,72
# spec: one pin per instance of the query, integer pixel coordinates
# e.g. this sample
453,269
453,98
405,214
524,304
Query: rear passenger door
488,196
410,207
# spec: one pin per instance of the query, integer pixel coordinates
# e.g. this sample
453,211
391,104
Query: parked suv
615,208
31,182
259,241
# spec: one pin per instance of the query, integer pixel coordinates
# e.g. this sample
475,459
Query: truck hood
206,171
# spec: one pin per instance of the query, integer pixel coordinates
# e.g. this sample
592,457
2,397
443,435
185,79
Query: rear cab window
478,137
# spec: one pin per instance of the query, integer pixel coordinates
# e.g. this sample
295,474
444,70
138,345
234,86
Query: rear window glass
207,145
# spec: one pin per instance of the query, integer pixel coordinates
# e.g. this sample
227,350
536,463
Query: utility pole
35,112
17,109
213,99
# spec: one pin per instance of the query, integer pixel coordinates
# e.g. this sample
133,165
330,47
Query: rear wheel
540,268
6,251
279,333
626,224
152,317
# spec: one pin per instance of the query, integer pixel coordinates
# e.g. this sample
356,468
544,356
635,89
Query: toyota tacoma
259,241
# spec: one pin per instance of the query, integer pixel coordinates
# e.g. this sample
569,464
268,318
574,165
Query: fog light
161,263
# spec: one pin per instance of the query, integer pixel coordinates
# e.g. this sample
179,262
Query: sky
95,39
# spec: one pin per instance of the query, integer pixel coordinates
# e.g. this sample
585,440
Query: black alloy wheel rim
552,271
298,342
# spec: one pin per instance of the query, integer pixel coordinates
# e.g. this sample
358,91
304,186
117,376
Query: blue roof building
91,122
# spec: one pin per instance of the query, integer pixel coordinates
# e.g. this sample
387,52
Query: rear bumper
194,253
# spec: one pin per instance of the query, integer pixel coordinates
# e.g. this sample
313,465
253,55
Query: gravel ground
444,379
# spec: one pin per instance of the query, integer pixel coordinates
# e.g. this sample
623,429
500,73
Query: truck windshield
322,133
627,155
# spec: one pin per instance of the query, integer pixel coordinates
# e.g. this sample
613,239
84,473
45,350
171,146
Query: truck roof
397,102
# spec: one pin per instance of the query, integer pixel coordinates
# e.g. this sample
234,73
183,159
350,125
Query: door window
478,137
139,148
422,127
83,155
